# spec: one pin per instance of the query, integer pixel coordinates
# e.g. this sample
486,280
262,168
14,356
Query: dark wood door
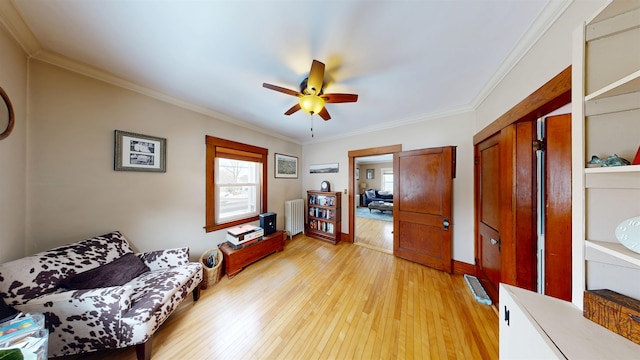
422,206
557,219
488,214
506,209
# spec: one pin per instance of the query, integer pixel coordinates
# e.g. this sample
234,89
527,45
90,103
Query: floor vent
477,290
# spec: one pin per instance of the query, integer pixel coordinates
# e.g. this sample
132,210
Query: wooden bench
237,259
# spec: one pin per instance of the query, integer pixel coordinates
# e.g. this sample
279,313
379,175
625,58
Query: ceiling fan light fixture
311,104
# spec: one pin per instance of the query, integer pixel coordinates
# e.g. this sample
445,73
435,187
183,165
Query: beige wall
376,182
74,191
456,130
13,79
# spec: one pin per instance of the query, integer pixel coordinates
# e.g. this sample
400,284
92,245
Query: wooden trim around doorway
389,149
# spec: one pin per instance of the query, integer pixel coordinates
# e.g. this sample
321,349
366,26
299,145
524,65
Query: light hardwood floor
316,300
376,234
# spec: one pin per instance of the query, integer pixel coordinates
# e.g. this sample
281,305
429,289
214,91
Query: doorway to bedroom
373,208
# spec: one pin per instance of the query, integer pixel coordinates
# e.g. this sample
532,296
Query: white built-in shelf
612,169
614,177
628,84
614,249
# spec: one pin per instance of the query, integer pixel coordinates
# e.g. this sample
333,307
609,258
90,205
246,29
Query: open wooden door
488,242
557,219
422,206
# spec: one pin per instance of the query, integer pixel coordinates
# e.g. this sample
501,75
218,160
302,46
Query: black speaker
268,222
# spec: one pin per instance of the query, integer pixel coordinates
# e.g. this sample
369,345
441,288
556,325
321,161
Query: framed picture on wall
369,174
286,166
137,152
357,173
323,168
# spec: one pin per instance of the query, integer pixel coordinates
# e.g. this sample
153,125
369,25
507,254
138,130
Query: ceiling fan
312,98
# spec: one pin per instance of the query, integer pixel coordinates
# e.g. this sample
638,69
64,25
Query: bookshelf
324,215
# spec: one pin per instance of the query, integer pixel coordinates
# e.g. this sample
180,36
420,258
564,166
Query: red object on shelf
636,160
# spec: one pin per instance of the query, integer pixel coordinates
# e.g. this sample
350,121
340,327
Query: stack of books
244,235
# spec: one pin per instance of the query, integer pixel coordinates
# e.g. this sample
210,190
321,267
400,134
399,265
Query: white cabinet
520,335
542,327
606,81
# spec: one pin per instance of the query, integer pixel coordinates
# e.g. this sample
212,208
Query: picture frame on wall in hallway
286,166
137,152
369,174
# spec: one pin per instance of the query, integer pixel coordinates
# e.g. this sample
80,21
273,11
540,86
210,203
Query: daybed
372,195
73,286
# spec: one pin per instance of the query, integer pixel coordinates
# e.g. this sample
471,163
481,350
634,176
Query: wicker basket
211,275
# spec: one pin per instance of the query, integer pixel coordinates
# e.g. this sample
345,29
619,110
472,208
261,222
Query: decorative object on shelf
628,234
636,160
594,162
615,160
136,152
323,168
286,166
325,186
614,311
6,115
369,174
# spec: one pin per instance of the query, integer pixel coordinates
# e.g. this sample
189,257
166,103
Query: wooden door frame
549,97
382,150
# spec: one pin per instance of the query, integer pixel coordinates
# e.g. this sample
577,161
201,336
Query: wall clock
6,115
324,186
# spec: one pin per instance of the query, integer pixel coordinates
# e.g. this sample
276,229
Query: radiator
294,217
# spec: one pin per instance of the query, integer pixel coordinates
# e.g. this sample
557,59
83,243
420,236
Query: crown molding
13,22
547,17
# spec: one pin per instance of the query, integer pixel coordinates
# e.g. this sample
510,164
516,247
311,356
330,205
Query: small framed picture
323,168
357,173
369,174
286,166
137,152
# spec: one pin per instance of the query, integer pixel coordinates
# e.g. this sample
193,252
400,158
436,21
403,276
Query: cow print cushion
33,276
115,273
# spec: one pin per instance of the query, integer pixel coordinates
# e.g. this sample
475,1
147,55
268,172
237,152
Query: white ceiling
408,60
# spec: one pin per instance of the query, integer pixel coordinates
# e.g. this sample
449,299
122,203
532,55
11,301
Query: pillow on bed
115,273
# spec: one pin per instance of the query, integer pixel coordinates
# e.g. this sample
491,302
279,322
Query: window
387,179
236,183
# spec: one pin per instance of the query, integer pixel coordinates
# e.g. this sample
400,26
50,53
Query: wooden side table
236,260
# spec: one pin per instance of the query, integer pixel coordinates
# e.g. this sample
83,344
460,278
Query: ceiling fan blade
339,98
316,77
293,109
324,114
282,90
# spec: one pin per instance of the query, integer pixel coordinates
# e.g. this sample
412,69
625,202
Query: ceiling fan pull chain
311,125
